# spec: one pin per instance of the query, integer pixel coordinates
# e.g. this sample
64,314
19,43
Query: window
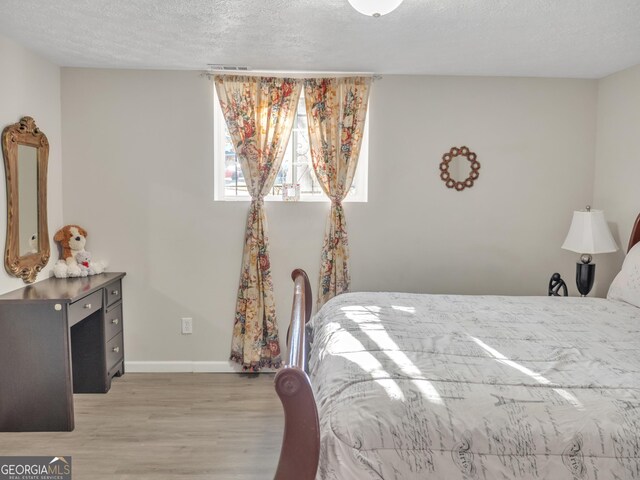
296,166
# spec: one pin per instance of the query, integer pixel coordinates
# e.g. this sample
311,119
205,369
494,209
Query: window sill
281,200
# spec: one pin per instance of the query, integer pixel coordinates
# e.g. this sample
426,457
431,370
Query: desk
47,327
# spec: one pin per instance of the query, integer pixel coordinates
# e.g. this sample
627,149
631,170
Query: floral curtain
259,113
336,112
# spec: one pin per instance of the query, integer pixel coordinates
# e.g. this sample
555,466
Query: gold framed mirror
26,153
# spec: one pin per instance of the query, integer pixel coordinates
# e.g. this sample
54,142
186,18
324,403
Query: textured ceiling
551,38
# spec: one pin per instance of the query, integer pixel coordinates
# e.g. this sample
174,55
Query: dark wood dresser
58,337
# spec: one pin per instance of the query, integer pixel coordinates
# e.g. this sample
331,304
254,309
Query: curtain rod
289,74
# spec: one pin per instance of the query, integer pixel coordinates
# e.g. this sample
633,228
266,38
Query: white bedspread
477,387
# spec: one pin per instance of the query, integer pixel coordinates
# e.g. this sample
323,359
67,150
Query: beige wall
139,176
616,189
30,85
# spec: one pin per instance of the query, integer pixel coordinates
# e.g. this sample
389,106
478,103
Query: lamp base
585,276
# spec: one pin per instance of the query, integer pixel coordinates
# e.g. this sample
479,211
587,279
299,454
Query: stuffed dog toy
72,239
33,243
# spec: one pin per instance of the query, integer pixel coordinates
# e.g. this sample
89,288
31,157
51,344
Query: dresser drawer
115,350
84,307
114,292
113,322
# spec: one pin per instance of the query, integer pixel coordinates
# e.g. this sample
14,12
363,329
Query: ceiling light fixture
375,8
230,68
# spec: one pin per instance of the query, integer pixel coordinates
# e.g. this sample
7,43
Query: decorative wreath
444,168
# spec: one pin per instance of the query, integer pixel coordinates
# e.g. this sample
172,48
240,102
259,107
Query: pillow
626,286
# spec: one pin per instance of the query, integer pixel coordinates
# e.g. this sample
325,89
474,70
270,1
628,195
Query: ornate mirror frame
26,133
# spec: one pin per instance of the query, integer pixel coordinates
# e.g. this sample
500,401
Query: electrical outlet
187,326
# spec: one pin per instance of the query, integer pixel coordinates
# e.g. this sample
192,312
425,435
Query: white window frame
360,179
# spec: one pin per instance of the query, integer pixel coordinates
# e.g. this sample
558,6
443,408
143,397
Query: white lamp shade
375,8
589,233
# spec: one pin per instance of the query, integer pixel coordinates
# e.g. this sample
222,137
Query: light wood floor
169,426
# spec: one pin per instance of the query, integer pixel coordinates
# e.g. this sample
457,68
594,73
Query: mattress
476,387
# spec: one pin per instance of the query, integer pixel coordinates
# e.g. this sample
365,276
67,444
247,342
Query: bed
399,386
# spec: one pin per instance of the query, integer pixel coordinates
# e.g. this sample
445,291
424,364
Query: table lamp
588,234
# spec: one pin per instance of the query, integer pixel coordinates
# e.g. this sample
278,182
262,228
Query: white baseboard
182,367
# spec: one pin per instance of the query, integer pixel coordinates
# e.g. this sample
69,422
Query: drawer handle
116,349
115,292
115,321
87,306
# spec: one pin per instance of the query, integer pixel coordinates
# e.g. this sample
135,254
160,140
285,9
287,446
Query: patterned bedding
477,387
